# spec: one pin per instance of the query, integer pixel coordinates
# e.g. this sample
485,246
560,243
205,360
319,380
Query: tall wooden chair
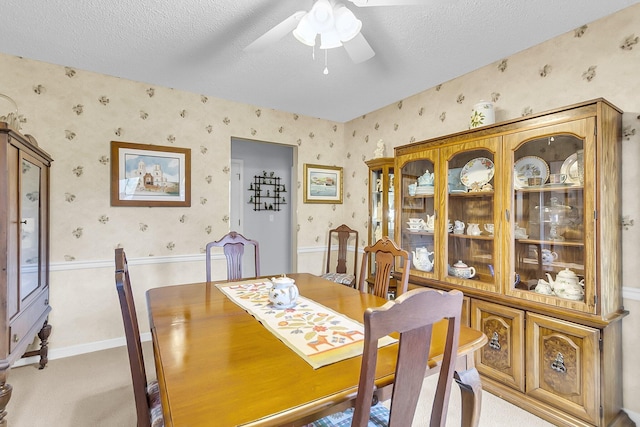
412,315
340,275
146,395
385,252
233,245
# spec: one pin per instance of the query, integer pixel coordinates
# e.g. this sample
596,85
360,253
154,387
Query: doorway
264,214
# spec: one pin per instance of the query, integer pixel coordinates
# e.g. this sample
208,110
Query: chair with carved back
385,254
412,315
146,395
233,245
340,275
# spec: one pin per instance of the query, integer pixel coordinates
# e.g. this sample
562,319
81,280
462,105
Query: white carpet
94,390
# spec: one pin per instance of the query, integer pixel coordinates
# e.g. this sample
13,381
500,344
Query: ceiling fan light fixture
330,40
305,32
347,25
321,16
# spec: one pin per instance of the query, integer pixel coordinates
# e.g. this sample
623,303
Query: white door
235,203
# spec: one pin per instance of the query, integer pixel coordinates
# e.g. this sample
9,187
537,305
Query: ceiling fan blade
367,3
359,49
276,33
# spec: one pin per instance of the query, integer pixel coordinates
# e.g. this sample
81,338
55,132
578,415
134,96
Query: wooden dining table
217,365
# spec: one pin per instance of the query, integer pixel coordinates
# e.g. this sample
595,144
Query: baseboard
77,350
635,416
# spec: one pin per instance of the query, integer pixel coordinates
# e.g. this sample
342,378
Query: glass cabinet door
549,204
381,203
418,211
472,218
29,274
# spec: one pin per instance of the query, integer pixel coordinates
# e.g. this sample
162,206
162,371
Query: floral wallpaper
74,114
597,60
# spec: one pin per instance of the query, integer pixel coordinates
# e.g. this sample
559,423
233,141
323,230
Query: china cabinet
524,217
381,202
24,245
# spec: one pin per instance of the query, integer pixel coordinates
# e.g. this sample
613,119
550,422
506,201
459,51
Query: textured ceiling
197,45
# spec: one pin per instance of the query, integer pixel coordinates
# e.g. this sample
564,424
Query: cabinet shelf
473,194
549,188
469,236
572,243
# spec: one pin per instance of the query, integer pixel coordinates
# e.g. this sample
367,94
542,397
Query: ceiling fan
333,21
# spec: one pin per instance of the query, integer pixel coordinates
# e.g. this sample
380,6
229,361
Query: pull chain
326,68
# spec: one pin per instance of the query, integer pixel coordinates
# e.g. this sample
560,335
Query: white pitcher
284,292
473,229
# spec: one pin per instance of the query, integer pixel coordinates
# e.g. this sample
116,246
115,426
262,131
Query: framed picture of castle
150,175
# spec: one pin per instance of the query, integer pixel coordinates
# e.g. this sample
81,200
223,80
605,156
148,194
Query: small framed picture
150,175
322,184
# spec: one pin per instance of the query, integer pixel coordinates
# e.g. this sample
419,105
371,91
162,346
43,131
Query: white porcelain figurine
379,151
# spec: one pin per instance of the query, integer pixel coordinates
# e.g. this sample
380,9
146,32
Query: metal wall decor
266,192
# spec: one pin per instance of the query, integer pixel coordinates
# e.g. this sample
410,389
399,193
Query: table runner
316,333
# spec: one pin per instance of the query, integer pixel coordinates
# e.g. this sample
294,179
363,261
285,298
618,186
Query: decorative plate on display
529,167
570,168
477,172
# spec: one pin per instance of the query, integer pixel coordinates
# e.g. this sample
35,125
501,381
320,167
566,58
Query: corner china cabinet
381,204
524,217
24,245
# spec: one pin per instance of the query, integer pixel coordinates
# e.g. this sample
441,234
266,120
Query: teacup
534,181
557,178
520,232
415,220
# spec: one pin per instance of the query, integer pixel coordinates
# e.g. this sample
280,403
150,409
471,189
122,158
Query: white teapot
426,179
422,259
567,283
547,256
462,270
284,292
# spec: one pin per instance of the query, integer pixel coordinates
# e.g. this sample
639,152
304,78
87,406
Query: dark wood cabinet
24,246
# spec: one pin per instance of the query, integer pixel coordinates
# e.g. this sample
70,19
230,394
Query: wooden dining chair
340,275
146,395
233,245
412,315
385,253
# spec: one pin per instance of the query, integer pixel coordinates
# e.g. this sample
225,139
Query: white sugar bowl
283,293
